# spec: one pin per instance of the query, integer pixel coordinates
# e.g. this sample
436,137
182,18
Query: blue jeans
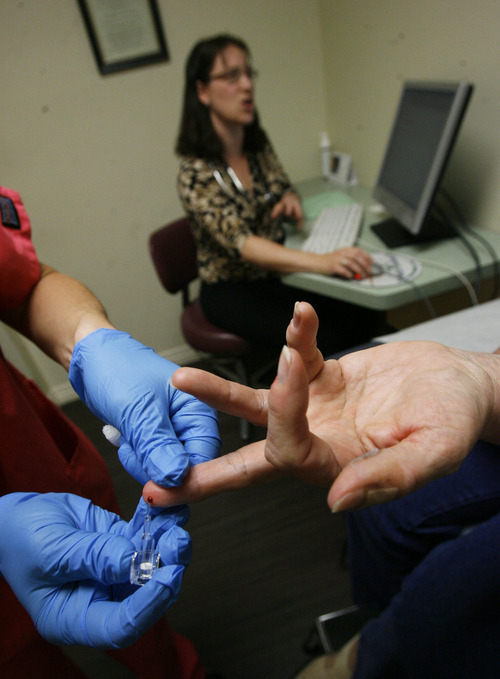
430,563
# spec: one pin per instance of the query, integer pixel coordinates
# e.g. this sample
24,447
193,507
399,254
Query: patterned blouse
222,216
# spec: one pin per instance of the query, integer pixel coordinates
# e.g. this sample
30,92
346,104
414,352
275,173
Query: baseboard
63,393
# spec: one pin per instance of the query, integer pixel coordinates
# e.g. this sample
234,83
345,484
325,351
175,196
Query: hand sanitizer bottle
326,154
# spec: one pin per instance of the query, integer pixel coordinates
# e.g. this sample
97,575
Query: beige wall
93,156
371,46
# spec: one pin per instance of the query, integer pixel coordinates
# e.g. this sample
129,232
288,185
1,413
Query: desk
432,280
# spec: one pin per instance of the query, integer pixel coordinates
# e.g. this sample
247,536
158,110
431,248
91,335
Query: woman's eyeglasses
234,75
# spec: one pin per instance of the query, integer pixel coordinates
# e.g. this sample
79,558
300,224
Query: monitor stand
394,235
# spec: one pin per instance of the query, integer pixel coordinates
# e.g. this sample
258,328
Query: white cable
458,274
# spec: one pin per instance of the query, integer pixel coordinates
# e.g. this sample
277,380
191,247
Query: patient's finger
288,437
301,335
244,467
290,445
224,395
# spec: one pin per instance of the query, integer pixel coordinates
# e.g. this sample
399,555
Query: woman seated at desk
236,193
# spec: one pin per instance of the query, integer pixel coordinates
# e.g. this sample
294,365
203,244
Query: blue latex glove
126,384
68,563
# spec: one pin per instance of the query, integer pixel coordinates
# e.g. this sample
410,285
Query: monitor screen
420,143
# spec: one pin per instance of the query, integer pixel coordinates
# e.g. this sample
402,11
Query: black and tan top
223,214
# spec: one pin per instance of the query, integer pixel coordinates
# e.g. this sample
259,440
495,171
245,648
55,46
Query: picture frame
124,34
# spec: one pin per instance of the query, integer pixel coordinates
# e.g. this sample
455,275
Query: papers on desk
473,329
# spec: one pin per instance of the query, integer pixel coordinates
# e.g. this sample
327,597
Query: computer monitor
427,122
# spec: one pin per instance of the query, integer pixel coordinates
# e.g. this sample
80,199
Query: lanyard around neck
222,183
269,196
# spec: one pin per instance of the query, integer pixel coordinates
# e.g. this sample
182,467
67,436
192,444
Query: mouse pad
313,205
396,270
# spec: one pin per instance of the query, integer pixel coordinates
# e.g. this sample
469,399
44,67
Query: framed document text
124,33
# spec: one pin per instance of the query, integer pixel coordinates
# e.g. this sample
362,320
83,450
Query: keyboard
336,227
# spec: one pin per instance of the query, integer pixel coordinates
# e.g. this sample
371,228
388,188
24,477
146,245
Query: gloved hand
126,384
68,563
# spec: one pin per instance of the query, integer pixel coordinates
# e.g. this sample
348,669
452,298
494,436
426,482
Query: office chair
173,251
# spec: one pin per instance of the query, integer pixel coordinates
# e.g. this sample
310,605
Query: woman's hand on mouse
347,263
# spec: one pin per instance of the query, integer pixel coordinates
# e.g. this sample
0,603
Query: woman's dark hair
197,136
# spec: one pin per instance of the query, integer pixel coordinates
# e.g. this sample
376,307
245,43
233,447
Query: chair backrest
173,251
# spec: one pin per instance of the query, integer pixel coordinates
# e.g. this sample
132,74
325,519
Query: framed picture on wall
124,34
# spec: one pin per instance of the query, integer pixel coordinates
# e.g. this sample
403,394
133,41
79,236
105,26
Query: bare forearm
276,257
59,312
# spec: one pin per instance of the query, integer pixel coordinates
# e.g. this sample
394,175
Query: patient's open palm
420,406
